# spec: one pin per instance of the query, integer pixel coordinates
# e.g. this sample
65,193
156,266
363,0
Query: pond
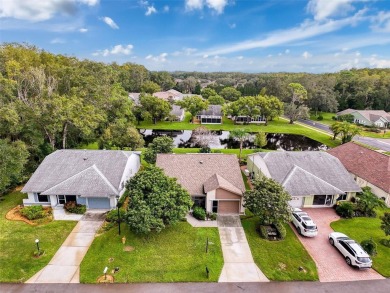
221,140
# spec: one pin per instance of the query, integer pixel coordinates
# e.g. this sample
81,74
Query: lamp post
119,218
37,242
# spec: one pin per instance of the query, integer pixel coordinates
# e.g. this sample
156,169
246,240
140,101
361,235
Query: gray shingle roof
213,110
307,173
194,170
176,110
97,172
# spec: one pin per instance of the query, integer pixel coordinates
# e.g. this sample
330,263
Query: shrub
73,207
33,212
199,213
345,209
212,216
320,117
385,242
205,150
369,246
281,230
262,230
112,216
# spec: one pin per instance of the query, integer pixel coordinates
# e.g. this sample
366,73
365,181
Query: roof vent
85,159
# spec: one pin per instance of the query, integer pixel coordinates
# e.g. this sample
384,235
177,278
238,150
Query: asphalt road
315,124
383,144
381,286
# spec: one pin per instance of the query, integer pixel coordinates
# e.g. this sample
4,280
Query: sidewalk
64,267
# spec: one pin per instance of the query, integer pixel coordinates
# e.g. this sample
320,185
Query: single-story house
377,118
178,112
368,167
246,119
312,178
214,181
213,115
95,178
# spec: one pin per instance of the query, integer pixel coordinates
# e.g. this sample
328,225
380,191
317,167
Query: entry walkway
238,261
64,267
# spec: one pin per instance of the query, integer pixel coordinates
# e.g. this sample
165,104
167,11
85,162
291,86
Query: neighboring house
178,112
368,167
95,178
313,179
213,115
378,118
247,119
135,97
170,95
214,181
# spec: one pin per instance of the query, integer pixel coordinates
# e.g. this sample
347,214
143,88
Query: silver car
353,253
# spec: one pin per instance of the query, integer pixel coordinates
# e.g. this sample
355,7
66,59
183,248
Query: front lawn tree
239,135
155,201
193,104
160,145
269,201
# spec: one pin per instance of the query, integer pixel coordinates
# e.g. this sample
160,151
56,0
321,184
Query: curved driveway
330,263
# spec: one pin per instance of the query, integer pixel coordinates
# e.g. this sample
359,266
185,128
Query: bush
205,150
320,117
33,212
345,210
281,230
199,213
385,242
369,246
212,216
262,230
74,208
112,216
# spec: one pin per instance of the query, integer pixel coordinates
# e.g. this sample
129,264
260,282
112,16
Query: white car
353,253
304,224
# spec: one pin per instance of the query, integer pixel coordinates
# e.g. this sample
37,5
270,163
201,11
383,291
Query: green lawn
17,242
364,228
326,115
276,126
280,260
177,254
244,154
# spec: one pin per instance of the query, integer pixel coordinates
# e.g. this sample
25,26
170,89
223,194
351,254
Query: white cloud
40,10
306,30
57,41
110,22
306,55
83,30
150,10
166,8
287,51
159,58
116,50
233,25
379,63
381,22
325,9
217,5
240,57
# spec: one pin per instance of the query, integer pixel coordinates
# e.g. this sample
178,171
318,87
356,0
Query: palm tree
239,135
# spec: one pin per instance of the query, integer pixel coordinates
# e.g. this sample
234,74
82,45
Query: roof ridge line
105,178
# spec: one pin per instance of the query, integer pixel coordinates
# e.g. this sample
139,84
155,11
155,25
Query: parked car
353,253
304,224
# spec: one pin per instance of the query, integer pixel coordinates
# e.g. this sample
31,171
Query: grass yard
276,126
17,242
361,229
280,260
177,254
326,115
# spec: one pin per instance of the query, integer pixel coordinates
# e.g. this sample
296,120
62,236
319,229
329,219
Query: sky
207,35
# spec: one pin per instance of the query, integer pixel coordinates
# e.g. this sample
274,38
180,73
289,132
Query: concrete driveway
238,261
330,263
64,267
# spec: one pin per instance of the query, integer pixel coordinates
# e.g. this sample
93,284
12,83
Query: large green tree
269,201
346,130
155,201
230,93
121,135
193,104
296,108
160,145
150,87
154,108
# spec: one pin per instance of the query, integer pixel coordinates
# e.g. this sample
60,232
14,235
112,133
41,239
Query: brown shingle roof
365,163
194,170
217,181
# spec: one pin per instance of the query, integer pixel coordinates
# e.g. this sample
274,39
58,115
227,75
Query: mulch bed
15,215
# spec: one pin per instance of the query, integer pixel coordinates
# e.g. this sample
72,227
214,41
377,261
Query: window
42,198
199,201
342,197
215,206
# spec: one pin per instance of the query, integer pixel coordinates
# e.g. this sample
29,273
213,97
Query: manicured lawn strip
276,126
376,135
361,229
17,242
280,260
177,254
326,115
244,154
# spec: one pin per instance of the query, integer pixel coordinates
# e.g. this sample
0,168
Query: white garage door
296,201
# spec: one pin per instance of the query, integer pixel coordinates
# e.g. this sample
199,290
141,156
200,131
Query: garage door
98,203
296,201
228,207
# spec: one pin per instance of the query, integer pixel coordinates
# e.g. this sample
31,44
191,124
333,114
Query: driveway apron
330,263
238,261
64,267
